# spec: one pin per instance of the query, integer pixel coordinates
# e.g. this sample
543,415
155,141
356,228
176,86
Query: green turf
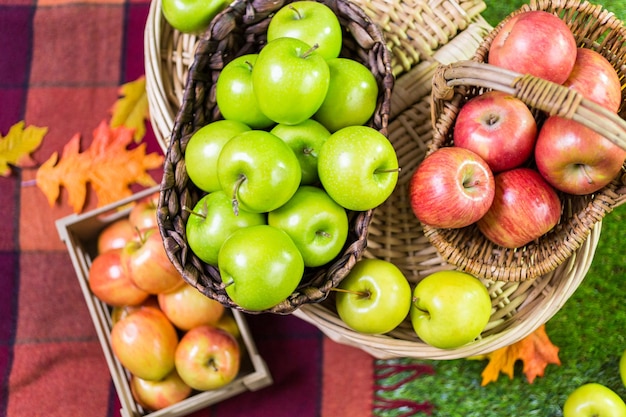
590,331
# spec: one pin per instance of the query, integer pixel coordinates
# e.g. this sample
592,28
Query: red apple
574,158
596,79
186,307
110,282
148,264
499,128
453,187
145,343
537,43
207,358
524,208
116,235
156,395
142,215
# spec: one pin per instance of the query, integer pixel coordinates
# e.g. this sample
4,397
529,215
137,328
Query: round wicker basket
466,248
241,29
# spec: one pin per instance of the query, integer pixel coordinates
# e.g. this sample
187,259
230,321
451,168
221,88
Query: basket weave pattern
467,248
239,30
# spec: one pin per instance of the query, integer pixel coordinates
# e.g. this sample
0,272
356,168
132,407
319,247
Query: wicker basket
413,31
467,248
239,30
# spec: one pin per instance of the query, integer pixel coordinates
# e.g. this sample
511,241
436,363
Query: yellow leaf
131,109
17,145
536,351
107,165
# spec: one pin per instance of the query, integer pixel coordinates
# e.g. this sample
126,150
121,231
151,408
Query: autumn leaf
131,109
17,145
107,165
536,351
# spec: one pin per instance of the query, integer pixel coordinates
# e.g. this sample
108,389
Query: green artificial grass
589,331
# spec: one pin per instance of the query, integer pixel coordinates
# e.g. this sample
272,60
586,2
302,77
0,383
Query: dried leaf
17,145
131,109
107,165
536,351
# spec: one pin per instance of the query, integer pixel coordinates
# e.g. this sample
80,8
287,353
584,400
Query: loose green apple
358,167
191,16
234,93
260,267
622,368
212,220
290,80
352,95
204,147
310,21
594,400
306,140
374,298
315,222
450,309
259,171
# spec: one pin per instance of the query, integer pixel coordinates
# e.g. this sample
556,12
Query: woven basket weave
241,29
467,248
413,31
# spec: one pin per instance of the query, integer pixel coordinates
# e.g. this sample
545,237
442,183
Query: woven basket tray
467,248
413,31
519,307
238,30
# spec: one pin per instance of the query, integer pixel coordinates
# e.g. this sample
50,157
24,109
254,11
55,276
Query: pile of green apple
172,339
291,158
505,170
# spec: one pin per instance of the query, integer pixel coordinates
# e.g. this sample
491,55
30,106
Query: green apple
259,171
352,95
212,220
191,16
594,400
310,21
315,222
374,298
358,167
204,147
622,368
450,309
290,80
260,267
306,140
234,93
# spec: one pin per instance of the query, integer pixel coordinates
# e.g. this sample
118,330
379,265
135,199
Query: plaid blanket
62,64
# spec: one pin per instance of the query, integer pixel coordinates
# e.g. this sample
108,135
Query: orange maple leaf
16,146
535,350
107,165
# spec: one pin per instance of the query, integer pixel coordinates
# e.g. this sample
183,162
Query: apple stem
238,183
195,213
584,167
308,151
322,233
310,51
296,11
363,294
212,364
249,64
414,302
383,171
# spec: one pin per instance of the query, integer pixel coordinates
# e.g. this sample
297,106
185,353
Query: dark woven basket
467,248
239,30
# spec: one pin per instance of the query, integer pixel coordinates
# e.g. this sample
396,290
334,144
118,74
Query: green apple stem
362,294
414,301
309,51
584,168
238,183
387,170
296,11
195,213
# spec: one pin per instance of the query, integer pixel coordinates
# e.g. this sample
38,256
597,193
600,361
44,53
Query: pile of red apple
172,339
505,171
288,161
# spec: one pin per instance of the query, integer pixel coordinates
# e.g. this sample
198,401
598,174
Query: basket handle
555,99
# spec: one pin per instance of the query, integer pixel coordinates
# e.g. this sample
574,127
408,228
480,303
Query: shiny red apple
453,187
186,307
498,127
142,215
594,77
535,42
156,395
524,208
116,235
148,264
110,283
